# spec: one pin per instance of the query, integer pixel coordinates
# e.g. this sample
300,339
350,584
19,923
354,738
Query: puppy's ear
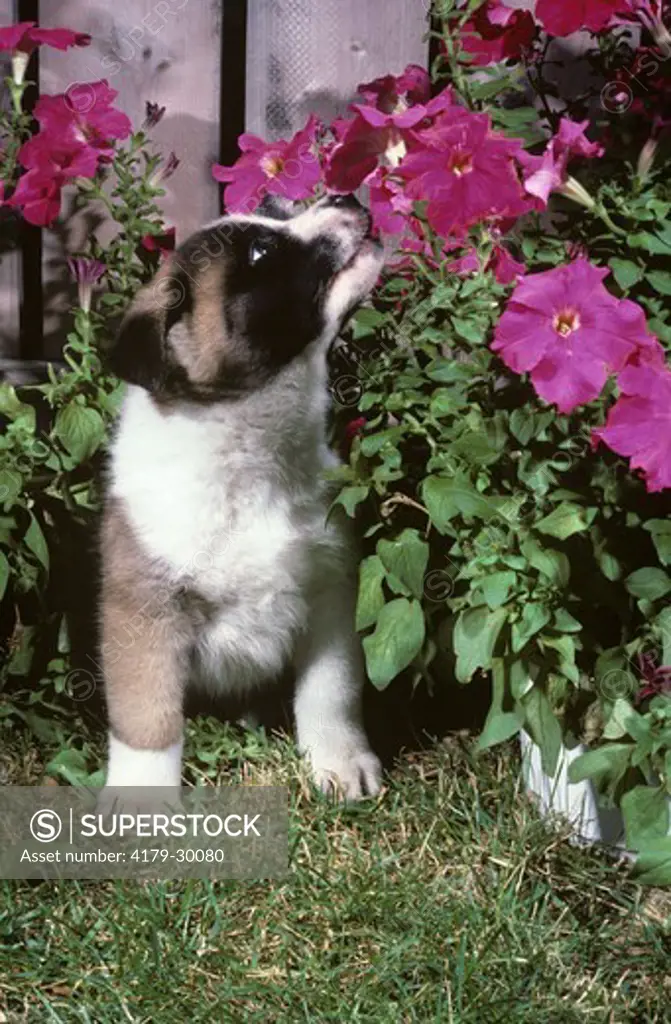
140,354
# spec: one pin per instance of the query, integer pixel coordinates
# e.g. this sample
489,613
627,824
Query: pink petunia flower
465,171
639,424
393,94
86,273
384,129
24,37
371,136
563,17
83,115
496,33
505,268
564,328
651,15
656,678
290,169
549,172
55,156
38,196
163,243
389,206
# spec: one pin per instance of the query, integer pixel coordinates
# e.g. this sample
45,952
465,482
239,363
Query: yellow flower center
460,162
272,166
566,322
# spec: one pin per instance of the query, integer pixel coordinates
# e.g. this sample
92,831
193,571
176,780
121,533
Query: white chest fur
231,499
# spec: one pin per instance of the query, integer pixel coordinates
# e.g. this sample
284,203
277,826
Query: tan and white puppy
219,568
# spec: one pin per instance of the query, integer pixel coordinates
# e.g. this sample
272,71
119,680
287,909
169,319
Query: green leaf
565,647
350,497
610,761
35,540
566,520
554,565
4,574
407,558
444,371
470,330
534,617
564,622
646,814
71,765
370,598
624,719
662,624
397,639
654,243
543,727
523,425
22,655
366,322
446,402
653,864
660,280
500,724
649,583
14,409
627,273
80,429
475,635
371,444
660,531
11,485
449,497
496,587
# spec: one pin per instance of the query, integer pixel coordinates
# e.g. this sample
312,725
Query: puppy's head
245,296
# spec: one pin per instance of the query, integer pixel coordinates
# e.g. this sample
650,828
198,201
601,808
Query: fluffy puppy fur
219,567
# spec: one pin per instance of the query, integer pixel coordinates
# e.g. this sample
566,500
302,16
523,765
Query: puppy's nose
347,202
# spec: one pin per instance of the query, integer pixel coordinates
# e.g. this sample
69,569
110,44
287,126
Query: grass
446,899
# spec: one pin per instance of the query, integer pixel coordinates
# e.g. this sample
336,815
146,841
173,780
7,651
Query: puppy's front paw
346,774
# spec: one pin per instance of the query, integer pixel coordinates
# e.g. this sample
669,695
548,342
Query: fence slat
304,57
10,258
168,52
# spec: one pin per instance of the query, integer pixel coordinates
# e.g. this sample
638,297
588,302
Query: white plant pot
577,802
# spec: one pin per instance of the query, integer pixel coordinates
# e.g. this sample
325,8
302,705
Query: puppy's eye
259,250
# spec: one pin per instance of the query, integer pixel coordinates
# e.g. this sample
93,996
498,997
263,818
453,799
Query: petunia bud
86,273
646,159
153,114
572,189
166,171
19,64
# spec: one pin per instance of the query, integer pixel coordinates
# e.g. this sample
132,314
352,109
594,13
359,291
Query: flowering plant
84,153
506,403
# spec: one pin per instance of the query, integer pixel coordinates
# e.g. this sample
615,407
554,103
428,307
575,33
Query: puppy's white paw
346,774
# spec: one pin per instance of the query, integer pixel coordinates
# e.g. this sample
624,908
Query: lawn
446,899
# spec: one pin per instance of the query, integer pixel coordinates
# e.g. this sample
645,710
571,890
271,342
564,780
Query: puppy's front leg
143,659
327,705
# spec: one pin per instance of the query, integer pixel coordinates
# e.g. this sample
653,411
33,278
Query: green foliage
540,553
51,443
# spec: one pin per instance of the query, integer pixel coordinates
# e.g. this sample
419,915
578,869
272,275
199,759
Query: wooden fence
219,67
